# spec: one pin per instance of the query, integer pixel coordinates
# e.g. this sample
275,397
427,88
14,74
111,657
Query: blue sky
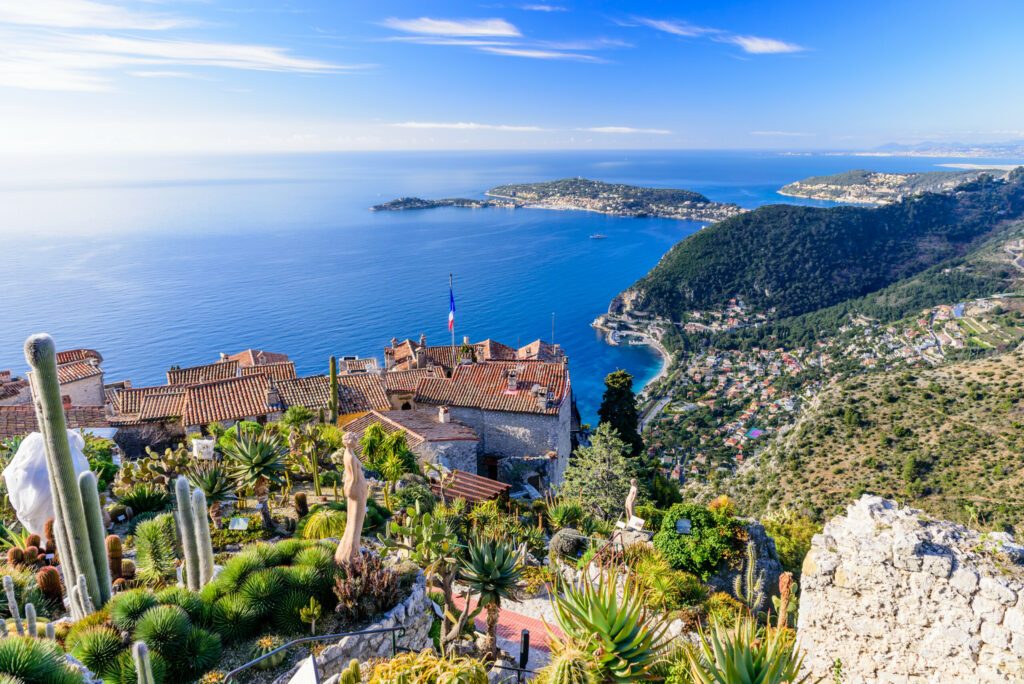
213,75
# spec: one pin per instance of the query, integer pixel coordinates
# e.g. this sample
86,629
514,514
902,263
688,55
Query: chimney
513,383
465,339
273,397
223,356
65,399
423,340
394,342
421,358
442,415
541,393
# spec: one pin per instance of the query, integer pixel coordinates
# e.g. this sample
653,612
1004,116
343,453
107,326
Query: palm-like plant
623,637
257,462
745,654
491,570
217,483
388,454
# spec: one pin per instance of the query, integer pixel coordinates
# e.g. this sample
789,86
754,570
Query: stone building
430,434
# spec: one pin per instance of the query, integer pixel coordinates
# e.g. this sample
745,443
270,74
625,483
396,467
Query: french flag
451,307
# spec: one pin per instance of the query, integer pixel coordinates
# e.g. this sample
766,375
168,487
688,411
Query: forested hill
800,259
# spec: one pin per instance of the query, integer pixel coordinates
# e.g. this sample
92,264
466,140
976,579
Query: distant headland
874,187
586,195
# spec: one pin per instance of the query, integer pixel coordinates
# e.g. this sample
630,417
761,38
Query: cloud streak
85,14
534,53
467,126
626,130
754,45
481,28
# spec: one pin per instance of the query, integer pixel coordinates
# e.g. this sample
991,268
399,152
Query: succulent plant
202,650
262,590
114,556
48,581
256,462
98,648
351,674
491,570
23,659
265,645
301,505
128,607
155,542
744,653
569,664
233,618
164,629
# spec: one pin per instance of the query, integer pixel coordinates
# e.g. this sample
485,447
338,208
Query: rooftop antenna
552,327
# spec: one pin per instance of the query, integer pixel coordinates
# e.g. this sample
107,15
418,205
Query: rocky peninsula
583,194
874,187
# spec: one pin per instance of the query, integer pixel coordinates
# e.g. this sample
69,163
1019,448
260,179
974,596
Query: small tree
618,409
599,474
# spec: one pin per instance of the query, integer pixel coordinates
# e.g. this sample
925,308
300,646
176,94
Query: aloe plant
257,462
745,654
491,570
622,636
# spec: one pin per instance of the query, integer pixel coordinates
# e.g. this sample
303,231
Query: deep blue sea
173,260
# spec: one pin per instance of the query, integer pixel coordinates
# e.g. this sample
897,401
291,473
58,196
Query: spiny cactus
51,631
570,665
33,540
15,556
143,668
301,505
51,543
351,674
332,400
97,533
30,620
73,523
12,604
749,584
187,532
115,556
204,545
48,581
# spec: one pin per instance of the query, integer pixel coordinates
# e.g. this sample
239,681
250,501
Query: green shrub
651,515
155,546
411,494
127,607
144,498
724,609
262,590
219,538
713,534
164,629
35,661
792,534
98,648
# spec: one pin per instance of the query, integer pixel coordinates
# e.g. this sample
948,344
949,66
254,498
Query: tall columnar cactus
12,604
203,543
749,584
332,400
115,556
30,620
143,667
51,631
97,533
72,523
187,532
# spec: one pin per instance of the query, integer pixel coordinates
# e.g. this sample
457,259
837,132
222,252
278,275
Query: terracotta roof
472,488
356,393
406,380
230,399
541,351
130,400
76,370
72,355
16,421
420,426
281,370
12,388
257,357
357,365
142,404
193,375
486,386
446,356
492,350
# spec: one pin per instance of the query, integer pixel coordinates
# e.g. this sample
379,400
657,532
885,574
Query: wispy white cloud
163,74
85,14
782,134
756,45
534,53
466,126
498,28
626,130
543,8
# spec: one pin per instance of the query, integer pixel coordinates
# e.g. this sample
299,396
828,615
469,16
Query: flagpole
451,293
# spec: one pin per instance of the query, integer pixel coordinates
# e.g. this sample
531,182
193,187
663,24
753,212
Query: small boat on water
598,236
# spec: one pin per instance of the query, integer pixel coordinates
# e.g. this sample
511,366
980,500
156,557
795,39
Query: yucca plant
98,649
745,654
217,483
564,513
257,462
155,546
324,523
619,632
24,659
491,570
145,497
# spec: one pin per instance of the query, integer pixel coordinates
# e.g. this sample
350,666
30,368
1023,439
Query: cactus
115,556
97,533
51,631
127,569
72,522
569,665
30,621
12,603
143,667
785,596
48,581
51,543
33,540
301,505
203,542
351,674
88,607
749,584
15,556
332,400
31,555
187,532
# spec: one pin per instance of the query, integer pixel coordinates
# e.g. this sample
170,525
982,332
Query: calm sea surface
170,261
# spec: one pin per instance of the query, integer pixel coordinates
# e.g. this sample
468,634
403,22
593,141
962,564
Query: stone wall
415,614
897,597
454,455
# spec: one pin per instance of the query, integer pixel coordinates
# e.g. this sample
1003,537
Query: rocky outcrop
889,595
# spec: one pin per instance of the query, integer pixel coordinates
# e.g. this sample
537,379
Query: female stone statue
356,491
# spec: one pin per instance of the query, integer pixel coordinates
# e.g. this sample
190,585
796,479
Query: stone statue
356,491
631,500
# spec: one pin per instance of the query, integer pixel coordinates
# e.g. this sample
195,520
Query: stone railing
888,595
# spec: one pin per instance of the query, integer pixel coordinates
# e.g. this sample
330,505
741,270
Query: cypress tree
618,409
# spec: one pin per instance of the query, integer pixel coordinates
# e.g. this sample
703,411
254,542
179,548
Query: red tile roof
486,386
281,370
12,388
205,373
419,426
230,399
72,355
356,393
406,380
16,421
472,488
357,365
142,404
75,371
257,357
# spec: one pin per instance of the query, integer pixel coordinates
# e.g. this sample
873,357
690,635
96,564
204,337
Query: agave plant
217,483
622,636
745,654
257,462
491,570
